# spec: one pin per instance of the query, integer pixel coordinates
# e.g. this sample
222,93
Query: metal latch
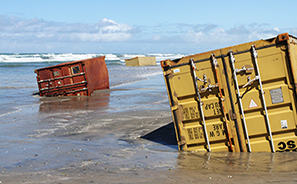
250,81
209,87
244,69
202,80
202,89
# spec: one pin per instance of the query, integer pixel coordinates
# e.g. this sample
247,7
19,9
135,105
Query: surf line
12,112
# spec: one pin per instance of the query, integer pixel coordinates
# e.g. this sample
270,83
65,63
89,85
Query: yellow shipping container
240,98
141,61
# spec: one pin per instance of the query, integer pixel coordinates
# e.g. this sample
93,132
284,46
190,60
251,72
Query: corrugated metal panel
239,98
73,78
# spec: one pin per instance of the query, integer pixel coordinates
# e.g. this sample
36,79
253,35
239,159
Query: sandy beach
121,135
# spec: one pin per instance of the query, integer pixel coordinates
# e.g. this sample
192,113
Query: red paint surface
73,78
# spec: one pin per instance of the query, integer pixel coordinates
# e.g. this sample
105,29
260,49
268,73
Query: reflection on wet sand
224,162
238,162
98,101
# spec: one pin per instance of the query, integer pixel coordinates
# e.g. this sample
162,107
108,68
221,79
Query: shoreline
122,135
69,133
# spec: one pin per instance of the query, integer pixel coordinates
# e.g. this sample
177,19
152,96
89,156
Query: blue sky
139,26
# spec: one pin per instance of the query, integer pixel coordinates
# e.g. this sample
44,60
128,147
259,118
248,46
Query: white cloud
276,29
36,29
156,37
100,37
209,36
108,20
38,35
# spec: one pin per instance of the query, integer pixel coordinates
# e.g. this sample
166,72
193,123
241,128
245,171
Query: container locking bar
255,56
232,60
250,81
193,67
215,65
209,86
202,80
244,69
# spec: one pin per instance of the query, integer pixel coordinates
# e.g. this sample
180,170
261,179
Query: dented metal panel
73,78
240,98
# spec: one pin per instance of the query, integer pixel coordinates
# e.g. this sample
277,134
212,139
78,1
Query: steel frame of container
240,98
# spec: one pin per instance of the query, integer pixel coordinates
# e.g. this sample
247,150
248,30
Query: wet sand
122,135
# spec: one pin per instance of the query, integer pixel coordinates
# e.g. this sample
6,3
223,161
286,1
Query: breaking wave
117,59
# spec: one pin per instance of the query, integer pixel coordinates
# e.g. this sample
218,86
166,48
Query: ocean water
29,123
18,80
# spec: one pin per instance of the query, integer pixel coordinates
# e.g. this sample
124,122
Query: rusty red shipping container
73,78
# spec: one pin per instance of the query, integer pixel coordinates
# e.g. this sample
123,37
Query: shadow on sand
163,135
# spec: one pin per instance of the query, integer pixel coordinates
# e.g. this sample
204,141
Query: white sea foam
64,57
24,58
11,112
160,57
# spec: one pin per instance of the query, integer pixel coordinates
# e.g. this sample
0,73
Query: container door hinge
181,143
167,72
175,107
232,116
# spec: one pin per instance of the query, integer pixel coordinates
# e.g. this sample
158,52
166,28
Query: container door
199,121
43,79
260,82
238,101
57,77
78,81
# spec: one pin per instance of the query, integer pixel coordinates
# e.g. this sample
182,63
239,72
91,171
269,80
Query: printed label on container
284,124
252,104
176,70
276,95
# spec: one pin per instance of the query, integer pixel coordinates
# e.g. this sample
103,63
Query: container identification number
215,107
191,113
197,132
218,130
287,146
